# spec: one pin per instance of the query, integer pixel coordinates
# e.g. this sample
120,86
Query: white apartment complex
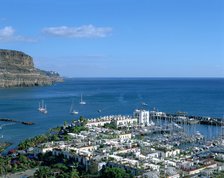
142,116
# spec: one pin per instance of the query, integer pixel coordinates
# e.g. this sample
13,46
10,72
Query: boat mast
71,108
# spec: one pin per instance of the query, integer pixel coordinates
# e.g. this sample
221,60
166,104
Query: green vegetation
4,145
83,121
219,160
218,174
80,126
77,129
111,125
32,142
55,130
55,134
16,163
52,135
115,173
49,165
43,172
56,166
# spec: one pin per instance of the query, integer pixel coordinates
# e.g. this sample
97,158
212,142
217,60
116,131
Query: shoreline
64,140
4,146
163,116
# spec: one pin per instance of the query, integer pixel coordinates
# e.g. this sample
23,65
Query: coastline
82,140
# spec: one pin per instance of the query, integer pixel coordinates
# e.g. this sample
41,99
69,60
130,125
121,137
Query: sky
118,38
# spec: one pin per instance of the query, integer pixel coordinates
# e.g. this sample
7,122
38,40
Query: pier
16,121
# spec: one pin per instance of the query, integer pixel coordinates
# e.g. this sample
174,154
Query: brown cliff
17,70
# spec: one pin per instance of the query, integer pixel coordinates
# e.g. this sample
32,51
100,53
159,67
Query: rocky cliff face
17,70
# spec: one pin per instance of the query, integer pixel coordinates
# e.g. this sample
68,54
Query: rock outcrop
17,70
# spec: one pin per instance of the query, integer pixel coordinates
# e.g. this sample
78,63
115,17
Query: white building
157,114
169,153
124,136
142,116
120,121
125,121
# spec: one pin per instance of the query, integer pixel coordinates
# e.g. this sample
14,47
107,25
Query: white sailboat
99,110
42,107
144,104
81,101
72,111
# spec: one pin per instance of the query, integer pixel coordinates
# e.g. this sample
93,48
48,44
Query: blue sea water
197,96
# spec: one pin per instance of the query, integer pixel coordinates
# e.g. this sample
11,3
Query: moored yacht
42,107
144,104
72,110
81,101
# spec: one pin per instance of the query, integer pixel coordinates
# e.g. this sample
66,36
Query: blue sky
118,38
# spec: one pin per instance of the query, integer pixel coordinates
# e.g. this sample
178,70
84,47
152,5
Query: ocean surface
196,96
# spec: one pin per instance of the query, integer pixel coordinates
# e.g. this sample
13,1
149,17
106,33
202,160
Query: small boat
72,111
81,101
199,135
192,121
176,125
144,104
42,107
99,111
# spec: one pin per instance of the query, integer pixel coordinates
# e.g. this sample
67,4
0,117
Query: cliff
17,70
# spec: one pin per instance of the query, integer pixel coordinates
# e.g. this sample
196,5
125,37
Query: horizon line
142,77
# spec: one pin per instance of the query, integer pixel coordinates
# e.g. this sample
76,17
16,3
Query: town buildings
138,146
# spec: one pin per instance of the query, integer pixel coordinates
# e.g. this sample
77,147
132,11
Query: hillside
17,70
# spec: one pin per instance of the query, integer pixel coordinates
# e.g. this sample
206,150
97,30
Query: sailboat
81,101
42,107
72,111
99,110
144,104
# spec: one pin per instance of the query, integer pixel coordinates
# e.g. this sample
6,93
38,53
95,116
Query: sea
112,96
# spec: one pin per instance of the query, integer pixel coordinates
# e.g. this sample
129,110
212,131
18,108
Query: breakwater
16,121
190,119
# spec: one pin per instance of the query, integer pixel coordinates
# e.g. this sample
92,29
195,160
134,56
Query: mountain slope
17,70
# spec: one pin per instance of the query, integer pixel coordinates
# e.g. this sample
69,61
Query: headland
17,70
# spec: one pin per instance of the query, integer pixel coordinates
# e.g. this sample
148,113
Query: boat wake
3,125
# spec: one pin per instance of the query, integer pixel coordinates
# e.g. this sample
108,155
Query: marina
110,97
112,89
188,119
144,139
139,144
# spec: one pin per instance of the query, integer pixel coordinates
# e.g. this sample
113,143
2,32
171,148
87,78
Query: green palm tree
74,173
43,172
